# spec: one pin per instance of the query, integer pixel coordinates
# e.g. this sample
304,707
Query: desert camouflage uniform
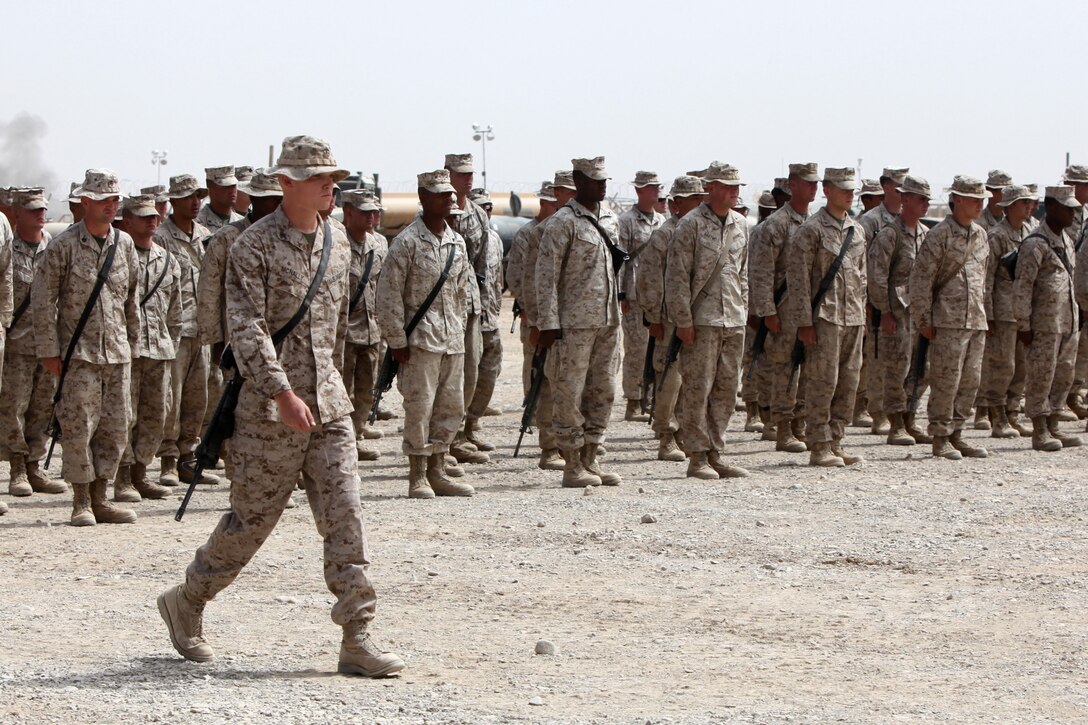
891,258
948,292
706,286
1078,233
1003,362
651,302
6,303
834,362
491,349
515,272
160,330
1044,304
363,337
189,372
431,382
634,229
576,293
987,220
212,221
94,408
269,269
529,299
472,227
767,272
871,387
26,404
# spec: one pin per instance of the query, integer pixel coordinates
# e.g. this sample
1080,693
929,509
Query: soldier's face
141,227
187,207
562,196
222,195
28,221
838,200
436,204
1080,191
462,182
591,191
803,191
647,195
1059,215
314,194
968,207
160,207
723,195
241,202
915,205
101,212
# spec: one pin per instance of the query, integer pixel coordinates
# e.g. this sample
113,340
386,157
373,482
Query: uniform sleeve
390,296
528,276
44,293
680,260
763,256
800,255
132,314
742,270
922,277
1080,277
210,290
649,287
881,253
514,264
1023,287
6,276
554,247
626,242
173,309
248,329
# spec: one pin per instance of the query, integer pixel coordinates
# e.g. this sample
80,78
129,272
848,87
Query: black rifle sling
614,248
20,310
92,300
281,334
362,282
829,276
432,295
162,275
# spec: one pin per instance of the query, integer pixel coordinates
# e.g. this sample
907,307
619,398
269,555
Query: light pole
483,134
158,160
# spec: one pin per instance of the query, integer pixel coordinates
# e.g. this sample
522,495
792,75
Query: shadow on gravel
156,671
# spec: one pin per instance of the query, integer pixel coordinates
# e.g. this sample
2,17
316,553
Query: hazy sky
942,87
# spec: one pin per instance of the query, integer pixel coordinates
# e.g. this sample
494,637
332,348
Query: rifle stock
917,371
386,374
649,376
531,398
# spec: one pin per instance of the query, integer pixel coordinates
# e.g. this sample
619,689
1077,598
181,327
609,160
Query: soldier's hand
887,323
294,412
625,306
657,330
686,335
546,338
1026,337
774,323
401,355
217,353
52,364
534,335
807,335
927,332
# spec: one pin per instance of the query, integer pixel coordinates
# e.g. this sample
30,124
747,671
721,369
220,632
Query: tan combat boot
634,412
169,472
981,421
104,511
81,505
914,431
1075,404
820,455
551,460
417,478
20,484
999,423
798,428
384,414
472,434
968,451
465,452
1065,415
942,448
359,655
723,469
453,468
442,486
574,473
862,419
768,426
881,426
1015,422
699,467
785,440
144,487
667,450
186,469
40,480
3,508
752,421
185,622
364,452
1041,439
1067,441
589,462
847,458
369,432
123,490
897,431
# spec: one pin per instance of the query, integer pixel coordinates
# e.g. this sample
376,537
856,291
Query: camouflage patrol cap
766,200
436,182
461,163
843,178
564,180
1033,189
687,185
646,178
593,168
5,196
244,173
915,185
304,156
221,176
29,199
261,183
808,171
698,174
782,184
969,186
998,179
140,205
723,174
480,196
1014,193
159,192
871,187
184,185
740,204
1076,174
1063,195
547,191
73,197
896,176
99,184
361,199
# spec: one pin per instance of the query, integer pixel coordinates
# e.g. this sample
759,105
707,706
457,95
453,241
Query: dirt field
905,589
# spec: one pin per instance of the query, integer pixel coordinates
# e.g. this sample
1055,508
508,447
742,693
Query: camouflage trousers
360,376
892,362
268,458
635,339
1081,370
25,407
833,370
871,380
1051,362
215,390
786,401
431,384
490,367
149,389
527,352
750,387
668,387
94,419
188,399
474,350
711,371
955,366
581,368
1003,368
544,406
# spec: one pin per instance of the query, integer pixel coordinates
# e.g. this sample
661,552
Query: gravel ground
905,589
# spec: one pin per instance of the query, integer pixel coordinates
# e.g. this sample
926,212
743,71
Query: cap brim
598,177
363,207
228,181
844,185
983,195
34,205
810,178
250,191
1067,180
871,193
302,173
644,184
200,192
725,182
570,187
440,188
913,192
461,169
685,194
95,196
143,212
1071,202
1009,202
546,197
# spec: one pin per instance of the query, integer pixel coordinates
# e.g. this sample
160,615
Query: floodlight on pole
483,134
158,160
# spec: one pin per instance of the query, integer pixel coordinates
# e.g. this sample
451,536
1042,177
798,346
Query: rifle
532,397
759,342
649,375
386,373
798,355
671,353
875,315
917,371
517,314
